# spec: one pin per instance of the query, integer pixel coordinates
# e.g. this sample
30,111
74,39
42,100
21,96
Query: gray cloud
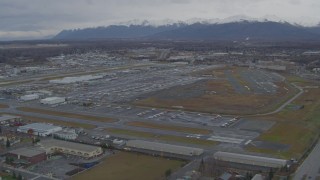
44,17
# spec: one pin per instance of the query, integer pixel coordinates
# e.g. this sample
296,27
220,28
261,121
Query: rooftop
69,145
39,126
27,151
169,148
245,157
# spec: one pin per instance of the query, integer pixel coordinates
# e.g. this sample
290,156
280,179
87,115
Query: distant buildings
40,129
9,118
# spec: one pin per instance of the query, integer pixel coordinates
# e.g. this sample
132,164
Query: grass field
57,122
3,106
166,138
66,114
169,127
219,96
296,128
130,166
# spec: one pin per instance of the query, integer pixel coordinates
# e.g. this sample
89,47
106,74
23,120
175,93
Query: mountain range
201,30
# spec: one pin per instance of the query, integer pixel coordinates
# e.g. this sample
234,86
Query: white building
53,100
67,134
40,129
68,80
29,97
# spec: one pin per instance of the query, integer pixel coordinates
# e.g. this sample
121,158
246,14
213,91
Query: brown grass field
3,106
220,97
57,122
169,127
66,114
298,128
130,166
166,138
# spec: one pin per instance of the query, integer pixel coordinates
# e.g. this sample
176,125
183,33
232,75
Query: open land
222,95
125,165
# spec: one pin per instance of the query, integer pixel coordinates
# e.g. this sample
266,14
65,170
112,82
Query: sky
34,19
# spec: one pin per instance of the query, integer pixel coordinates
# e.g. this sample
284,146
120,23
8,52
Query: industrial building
40,129
9,118
67,134
166,148
58,146
67,80
29,97
250,160
53,100
27,156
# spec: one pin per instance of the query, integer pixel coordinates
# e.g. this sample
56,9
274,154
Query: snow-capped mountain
232,28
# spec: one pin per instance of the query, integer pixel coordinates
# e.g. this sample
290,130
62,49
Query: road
310,168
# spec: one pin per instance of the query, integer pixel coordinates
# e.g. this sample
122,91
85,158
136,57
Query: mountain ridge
236,30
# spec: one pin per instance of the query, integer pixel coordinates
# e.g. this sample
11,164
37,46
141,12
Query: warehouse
58,146
53,100
250,160
29,97
162,147
28,155
67,80
67,134
9,118
40,129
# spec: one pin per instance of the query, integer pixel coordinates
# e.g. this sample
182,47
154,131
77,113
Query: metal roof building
162,147
52,100
250,160
40,129
28,155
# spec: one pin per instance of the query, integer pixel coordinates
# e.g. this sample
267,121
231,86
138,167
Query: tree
14,176
7,160
168,172
19,177
271,173
202,165
8,143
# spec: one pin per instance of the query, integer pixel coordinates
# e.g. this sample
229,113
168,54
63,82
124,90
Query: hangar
167,148
250,160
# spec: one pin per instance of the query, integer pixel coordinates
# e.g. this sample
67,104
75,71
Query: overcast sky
24,19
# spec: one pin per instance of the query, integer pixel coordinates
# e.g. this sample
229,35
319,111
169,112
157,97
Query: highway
310,168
